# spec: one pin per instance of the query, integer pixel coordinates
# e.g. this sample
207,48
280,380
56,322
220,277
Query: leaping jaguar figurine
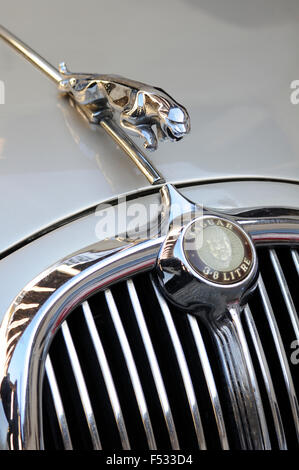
140,106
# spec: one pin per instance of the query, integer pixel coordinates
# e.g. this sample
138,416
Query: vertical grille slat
285,292
295,257
267,379
135,380
253,379
234,395
184,370
77,371
63,426
203,357
145,375
107,376
281,354
154,366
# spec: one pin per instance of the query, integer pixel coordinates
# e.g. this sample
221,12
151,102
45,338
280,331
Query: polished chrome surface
216,301
154,366
279,430
182,363
130,148
204,360
121,139
98,347
285,292
30,54
266,229
140,106
128,356
289,384
198,286
73,279
241,381
82,389
296,260
235,313
64,429
39,310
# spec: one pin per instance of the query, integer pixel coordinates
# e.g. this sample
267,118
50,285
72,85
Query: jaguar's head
175,123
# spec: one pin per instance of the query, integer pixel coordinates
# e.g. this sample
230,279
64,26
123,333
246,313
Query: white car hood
230,63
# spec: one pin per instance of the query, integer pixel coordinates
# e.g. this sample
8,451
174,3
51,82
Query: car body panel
231,69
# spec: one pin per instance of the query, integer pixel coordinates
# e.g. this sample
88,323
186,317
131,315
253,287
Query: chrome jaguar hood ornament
139,106
105,99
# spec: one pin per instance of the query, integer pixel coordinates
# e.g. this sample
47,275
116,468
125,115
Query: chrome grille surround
45,303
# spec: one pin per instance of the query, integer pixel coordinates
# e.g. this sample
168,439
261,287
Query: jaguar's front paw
151,146
150,139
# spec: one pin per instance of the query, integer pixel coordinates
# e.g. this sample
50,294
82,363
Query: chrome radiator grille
127,370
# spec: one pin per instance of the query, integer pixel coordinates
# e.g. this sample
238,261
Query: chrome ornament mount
207,262
105,99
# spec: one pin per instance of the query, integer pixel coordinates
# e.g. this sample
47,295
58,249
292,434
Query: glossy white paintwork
231,63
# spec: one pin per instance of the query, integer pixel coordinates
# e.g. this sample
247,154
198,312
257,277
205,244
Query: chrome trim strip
282,444
295,257
63,426
241,382
30,55
82,389
230,379
155,369
281,354
132,369
271,230
285,292
107,376
183,369
207,370
235,315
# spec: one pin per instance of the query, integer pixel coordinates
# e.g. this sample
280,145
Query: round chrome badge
218,250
